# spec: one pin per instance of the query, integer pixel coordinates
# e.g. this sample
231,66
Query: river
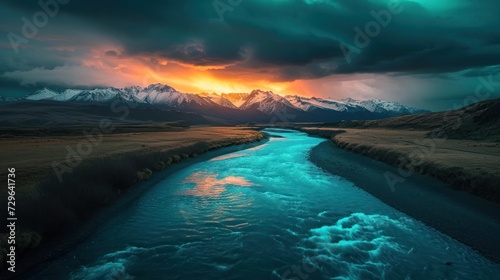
265,213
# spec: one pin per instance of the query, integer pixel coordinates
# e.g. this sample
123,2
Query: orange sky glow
126,71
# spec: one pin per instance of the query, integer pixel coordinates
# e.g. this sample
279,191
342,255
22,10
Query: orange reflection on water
207,184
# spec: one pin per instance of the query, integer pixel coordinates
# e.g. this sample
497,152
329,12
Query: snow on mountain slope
218,99
153,94
94,95
265,101
382,106
67,95
351,105
160,94
42,94
237,99
165,95
309,104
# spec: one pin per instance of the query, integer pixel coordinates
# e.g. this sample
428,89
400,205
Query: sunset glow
288,47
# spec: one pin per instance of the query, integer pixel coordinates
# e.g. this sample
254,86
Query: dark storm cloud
296,38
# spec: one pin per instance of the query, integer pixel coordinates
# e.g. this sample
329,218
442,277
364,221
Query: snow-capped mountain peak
383,106
158,88
264,101
155,94
237,99
313,103
219,99
43,93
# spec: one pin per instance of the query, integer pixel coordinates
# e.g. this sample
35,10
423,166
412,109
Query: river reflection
207,184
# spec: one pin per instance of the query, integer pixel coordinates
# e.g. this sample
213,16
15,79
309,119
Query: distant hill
480,121
57,114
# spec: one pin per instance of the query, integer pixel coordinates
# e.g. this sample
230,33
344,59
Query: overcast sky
426,53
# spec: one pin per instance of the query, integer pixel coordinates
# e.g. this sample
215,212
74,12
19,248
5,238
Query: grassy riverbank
466,165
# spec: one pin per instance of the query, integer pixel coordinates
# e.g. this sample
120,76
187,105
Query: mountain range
256,106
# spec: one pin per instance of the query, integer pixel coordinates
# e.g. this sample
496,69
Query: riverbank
467,165
467,218
52,208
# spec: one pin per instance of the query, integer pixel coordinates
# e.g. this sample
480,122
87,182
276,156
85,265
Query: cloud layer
284,44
